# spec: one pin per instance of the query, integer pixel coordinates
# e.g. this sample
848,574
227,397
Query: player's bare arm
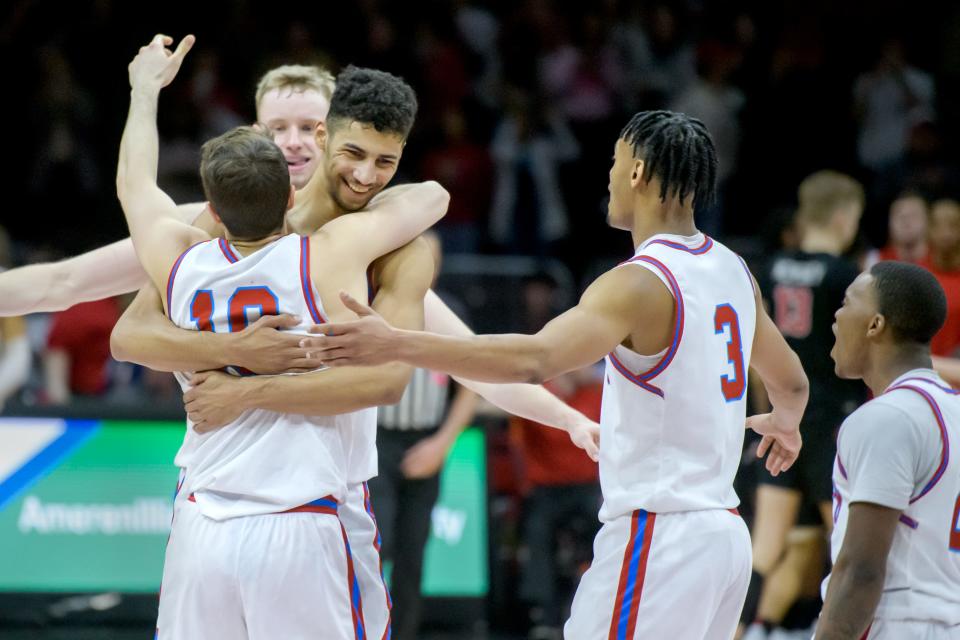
145,335
530,401
787,389
625,303
159,236
404,276
856,582
107,271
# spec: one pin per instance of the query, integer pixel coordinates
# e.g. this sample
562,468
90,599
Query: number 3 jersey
672,424
264,461
895,451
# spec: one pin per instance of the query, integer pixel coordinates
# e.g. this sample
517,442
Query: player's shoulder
899,410
413,260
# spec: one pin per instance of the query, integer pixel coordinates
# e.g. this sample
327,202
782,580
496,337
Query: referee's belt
326,505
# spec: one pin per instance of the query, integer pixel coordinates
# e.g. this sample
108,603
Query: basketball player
802,288
679,324
896,537
297,570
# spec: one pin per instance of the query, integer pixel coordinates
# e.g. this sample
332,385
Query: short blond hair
822,193
296,77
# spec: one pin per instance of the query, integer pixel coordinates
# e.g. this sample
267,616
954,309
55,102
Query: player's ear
320,134
878,323
637,174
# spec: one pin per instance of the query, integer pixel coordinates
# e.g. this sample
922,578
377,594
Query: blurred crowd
520,104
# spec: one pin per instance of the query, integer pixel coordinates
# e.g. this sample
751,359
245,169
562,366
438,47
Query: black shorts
812,473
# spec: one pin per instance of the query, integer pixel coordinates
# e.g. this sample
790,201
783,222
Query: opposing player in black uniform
803,288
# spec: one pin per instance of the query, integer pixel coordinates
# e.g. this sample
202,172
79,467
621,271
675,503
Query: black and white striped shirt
423,406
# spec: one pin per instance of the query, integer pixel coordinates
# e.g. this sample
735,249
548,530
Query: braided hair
678,150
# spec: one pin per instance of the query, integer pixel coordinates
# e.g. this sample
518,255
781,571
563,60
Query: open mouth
297,163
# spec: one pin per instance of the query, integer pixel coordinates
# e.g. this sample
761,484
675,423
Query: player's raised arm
158,235
608,312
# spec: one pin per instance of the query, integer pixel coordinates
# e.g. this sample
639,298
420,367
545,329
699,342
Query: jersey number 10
732,388
243,300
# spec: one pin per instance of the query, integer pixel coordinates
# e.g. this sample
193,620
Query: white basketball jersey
265,461
923,567
672,424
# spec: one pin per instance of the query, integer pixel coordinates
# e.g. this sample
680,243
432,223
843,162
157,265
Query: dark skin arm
856,582
404,277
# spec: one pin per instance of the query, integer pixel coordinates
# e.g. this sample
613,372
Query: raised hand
155,66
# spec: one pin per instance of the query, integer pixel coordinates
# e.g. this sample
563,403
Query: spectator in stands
906,231
77,357
531,142
15,358
944,263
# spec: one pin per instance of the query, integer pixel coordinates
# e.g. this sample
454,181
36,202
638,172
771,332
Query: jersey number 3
732,388
241,302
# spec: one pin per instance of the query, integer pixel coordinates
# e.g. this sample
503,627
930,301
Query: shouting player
896,536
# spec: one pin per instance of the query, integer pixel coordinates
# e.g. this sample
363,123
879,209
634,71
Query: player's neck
892,361
817,240
313,208
667,217
248,247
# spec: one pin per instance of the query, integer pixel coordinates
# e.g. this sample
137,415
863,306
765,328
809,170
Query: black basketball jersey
803,291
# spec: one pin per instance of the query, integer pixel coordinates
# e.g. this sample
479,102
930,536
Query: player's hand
212,402
367,341
263,349
155,66
780,443
586,435
425,459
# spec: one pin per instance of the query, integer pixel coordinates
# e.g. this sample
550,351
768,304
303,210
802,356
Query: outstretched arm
610,308
109,271
158,235
530,401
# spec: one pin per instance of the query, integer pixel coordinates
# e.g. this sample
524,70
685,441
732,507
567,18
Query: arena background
84,498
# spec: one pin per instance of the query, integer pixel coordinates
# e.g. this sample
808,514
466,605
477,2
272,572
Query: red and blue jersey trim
173,275
306,284
227,251
368,507
704,247
944,438
353,588
623,624
949,390
326,505
643,379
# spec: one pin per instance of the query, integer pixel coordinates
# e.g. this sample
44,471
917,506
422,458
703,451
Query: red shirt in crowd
947,340
83,332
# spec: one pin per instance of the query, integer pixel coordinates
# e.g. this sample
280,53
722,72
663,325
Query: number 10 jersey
264,461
